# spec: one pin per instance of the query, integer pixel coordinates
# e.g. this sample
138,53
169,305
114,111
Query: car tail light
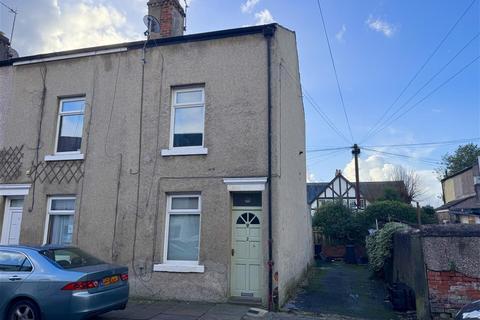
124,277
81,285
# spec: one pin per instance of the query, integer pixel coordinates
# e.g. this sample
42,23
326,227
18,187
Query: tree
386,211
413,184
390,194
462,158
338,223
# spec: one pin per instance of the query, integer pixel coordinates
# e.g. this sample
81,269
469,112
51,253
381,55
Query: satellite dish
152,24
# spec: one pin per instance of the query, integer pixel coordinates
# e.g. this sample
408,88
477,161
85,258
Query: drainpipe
268,32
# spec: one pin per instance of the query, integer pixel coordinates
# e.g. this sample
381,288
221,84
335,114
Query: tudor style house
461,195
182,157
341,189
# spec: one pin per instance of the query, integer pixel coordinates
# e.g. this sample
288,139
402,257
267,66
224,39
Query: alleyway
338,288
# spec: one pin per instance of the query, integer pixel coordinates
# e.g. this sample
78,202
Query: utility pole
356,152
419,217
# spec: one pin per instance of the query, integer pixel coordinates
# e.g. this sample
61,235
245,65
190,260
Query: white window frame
56,213
179,265
67,155
192,150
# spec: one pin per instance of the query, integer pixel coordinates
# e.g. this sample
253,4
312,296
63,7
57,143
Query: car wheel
23,310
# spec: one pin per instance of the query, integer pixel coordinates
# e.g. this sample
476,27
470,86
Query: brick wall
449,291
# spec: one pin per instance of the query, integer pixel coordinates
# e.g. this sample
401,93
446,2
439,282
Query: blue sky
378,46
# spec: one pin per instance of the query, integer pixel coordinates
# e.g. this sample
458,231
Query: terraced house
182,156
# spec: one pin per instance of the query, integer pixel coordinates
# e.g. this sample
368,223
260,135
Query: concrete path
161,310
341,289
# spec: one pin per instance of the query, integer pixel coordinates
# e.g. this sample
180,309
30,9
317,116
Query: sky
378,47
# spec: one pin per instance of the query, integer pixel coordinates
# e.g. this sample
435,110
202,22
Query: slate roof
314,189
372,191
467,205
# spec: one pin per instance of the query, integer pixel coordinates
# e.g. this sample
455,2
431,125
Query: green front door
247,268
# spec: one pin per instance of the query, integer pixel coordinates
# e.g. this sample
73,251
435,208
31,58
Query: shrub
380,245
386,211
339,224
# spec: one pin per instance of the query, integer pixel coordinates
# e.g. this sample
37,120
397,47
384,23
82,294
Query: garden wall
441,264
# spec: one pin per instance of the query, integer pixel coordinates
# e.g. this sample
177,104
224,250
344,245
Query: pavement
165,310
333,291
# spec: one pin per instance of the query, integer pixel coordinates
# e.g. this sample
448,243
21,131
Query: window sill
63,157
178,268
188,151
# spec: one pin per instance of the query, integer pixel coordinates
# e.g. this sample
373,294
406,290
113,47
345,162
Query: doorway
12,221
247,270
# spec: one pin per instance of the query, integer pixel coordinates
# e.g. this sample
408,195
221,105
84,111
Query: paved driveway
348,290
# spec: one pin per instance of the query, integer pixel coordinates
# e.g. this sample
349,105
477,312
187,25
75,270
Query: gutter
206,36
268,33
69,56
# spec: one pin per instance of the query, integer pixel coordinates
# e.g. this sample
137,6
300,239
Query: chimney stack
171,16
6,52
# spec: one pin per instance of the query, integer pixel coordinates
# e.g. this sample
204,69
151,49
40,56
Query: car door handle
15,278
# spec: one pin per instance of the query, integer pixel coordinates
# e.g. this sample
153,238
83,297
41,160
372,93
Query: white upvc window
187,124
59,220
68,140
182,234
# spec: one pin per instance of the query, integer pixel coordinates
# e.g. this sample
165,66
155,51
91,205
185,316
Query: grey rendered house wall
293,242
110,219
6,79
5,96
235,134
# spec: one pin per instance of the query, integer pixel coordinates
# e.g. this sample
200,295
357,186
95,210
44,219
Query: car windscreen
69,258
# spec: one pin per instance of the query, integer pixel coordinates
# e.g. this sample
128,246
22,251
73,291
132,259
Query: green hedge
380,245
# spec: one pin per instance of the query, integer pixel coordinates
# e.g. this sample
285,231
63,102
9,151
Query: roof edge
458,173
212,35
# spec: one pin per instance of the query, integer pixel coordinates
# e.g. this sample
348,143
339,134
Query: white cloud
381,26
341,33
69,25
376,168
248,6
311,177
263,17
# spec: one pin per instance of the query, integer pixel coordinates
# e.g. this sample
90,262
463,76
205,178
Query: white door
246,254
12,221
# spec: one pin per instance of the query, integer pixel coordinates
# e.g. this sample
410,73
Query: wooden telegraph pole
356,152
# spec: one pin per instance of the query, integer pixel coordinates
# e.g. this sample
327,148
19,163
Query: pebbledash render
182,157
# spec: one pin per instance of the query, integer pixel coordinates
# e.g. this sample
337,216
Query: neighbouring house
461,197
182,157
341,189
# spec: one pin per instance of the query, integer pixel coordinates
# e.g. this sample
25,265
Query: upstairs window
70,125
188,114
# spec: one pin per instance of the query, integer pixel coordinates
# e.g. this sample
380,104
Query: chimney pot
171,16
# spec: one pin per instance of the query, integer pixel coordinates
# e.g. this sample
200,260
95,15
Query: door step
249,301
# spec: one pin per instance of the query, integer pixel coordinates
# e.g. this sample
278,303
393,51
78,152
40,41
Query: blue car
58,282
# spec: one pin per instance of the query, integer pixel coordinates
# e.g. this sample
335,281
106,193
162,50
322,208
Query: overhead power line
425,143
421,68
328,149
426,160
399,109
335,71
315,105
428,95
